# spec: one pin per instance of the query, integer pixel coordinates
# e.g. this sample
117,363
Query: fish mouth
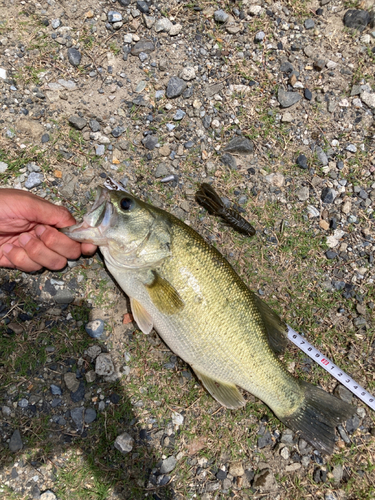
95,222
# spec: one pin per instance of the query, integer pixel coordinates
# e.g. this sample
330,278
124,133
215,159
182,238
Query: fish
211,201
188,292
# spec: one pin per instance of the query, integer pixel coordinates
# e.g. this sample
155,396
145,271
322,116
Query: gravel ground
273,103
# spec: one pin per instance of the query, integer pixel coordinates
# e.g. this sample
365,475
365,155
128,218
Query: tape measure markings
331,368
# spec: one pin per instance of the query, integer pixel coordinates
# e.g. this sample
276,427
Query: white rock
331,64
366,39
239,88
357,103
175,30
312,211
187,74
276,179
255,10
177,418
368,99
3,73
128,38
163,24
287,117
3,167
124,443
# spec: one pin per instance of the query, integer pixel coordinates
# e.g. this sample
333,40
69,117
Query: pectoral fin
226,394
277,330
141,316
164,296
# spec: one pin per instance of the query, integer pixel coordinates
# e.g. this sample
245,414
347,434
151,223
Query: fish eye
126,203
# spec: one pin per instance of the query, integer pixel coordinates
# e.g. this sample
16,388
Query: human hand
29,239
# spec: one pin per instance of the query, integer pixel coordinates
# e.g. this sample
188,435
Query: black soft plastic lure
211,201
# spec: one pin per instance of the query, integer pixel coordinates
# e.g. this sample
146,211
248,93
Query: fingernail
39,230
24,238
7,247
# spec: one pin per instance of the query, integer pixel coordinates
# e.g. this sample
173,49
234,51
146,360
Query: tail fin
318,416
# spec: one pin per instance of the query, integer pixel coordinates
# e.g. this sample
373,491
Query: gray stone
45,138
168,465
175,87
337,472
265,440
104,365
71,381
114,16
265,480
55,23
351,148
117,131
287,99
142,46
55,390
90,415
77,122
179,115
74,56
77,416
229,160
94,125
3,167
303,193
319,64
23,403
309,24
100,150
143,7
95,328
15,443
6,411
260,36
124,443
34,179
64,296
302,161
356,19
161,170
221,16
352,424
328,195
79,394
322,157
33,167
150,142
240,145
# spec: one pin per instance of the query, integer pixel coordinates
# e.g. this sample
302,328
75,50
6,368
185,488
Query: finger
58,242
88,248
4,261
19,259
44,212
37,251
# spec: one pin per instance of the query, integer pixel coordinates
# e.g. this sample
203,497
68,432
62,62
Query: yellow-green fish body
190,294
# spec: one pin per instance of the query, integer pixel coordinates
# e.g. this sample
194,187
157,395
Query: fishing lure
211,201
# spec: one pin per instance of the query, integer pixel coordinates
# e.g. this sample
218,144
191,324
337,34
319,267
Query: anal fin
225,393
141,316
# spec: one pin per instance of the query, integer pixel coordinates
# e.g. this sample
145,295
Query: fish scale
205,313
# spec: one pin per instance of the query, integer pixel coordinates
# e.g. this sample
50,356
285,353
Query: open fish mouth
95,222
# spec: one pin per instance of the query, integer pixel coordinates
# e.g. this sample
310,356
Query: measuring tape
302,343
331,368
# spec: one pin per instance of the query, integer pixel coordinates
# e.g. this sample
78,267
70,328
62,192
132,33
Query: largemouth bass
190,294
